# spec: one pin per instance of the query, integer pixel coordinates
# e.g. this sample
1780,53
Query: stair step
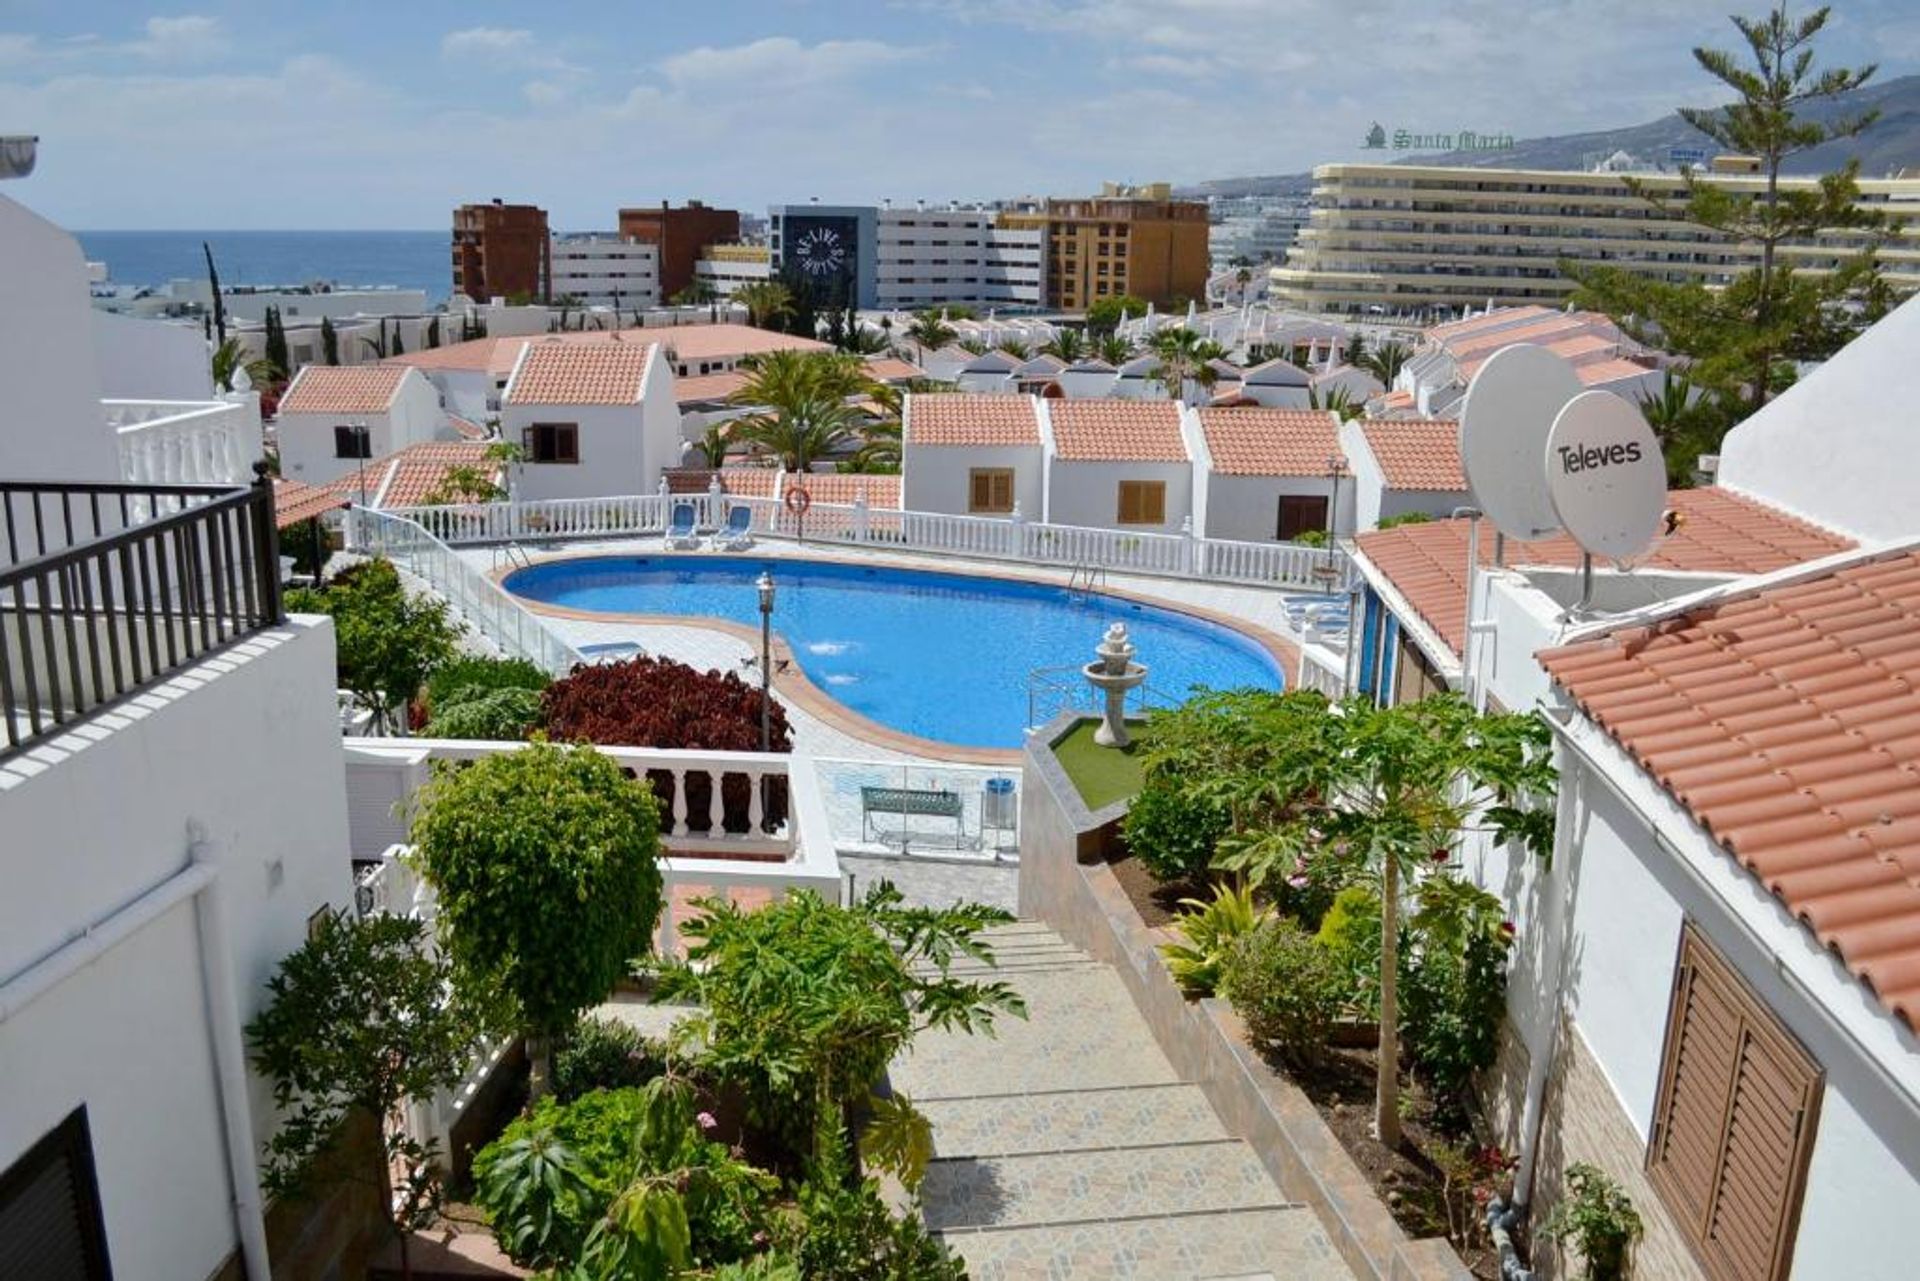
1070,1187
1282,1244
1004,1125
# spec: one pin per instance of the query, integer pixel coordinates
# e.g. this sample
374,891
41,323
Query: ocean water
409,259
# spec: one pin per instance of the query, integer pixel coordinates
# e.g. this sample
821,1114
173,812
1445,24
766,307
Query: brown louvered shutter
1734,1122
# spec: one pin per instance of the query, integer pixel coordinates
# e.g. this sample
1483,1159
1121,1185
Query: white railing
1323,670
186,441
497,615
990,538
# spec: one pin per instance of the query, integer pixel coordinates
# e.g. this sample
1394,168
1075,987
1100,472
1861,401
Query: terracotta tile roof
953,418
892,369
1417,453
1609,371
553,373
1250,441
467,428
1276,373
294,502
1473,324
842,488
707,387
745,482
1787,721
1395,400
1721,532
476,353
342,389
1557,326
405,478
707,342
1123,431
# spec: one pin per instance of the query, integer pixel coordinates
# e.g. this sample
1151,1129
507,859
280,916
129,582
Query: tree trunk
539,1068
1386,1104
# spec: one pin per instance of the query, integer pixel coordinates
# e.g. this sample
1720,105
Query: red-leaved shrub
656,702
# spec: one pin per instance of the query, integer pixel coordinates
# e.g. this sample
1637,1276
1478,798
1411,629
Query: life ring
797,501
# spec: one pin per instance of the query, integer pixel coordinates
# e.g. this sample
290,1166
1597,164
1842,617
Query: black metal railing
106,589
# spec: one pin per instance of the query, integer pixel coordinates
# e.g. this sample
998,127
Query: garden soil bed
1407,1178
1158,902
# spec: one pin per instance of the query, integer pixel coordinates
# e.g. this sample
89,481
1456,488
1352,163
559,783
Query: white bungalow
1087,379
1277,384
334,416
1118,464
1265,475
1137,381
592,418
995,371
1404,465
973,454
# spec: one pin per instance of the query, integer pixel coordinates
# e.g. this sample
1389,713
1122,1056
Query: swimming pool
939,656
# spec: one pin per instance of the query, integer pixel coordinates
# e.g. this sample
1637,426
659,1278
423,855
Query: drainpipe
195,881
230,1065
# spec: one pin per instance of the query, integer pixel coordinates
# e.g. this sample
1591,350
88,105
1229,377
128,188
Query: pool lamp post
1336,468
765,586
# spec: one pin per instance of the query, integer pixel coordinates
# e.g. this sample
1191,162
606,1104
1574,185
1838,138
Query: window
1143,502
50,1221
1300,513
1734,1121
990,490
352,442
552,443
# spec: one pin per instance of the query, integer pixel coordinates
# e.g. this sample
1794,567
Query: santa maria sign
1605,476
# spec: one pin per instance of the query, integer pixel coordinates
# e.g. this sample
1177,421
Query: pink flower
1298,880
705,1121
1506,927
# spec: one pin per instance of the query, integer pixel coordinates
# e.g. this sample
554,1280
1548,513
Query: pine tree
275,348
213,284
398,348
433,332
329,342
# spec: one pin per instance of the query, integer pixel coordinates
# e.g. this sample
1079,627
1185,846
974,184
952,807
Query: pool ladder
1087,577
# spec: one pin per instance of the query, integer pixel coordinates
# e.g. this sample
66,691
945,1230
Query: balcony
186,442
108,589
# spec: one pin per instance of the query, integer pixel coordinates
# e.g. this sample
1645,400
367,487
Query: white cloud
189,38
778,60
496,44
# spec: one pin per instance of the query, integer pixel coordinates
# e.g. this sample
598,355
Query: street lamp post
1336,465
765,586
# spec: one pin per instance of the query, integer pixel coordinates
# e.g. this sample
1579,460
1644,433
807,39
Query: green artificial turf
1102,775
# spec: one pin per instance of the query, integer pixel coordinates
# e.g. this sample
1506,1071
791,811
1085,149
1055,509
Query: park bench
906,801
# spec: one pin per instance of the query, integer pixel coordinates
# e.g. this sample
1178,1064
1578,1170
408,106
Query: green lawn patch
1102,775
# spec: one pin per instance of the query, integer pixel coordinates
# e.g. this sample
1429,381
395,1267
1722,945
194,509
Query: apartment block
1402,237
725,268
1127,240
606,270
501,249
681,236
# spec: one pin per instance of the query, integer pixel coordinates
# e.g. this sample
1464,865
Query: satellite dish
1605,474
1504,420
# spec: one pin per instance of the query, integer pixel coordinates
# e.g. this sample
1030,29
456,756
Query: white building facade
604,270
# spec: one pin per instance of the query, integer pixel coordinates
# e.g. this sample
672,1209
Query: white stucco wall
1276,397
1437,503
307,448
53,428
1089,493
1087,384
936,478
1247,508
142,359
249,760
416,416
1837,447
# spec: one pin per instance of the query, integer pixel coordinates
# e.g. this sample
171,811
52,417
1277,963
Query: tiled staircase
1067,1147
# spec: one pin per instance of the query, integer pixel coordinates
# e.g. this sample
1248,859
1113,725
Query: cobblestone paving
1066,1146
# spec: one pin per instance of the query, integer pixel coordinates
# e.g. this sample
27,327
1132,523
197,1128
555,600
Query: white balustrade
186,441
981,537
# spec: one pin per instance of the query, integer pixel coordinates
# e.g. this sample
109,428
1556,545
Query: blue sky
355,114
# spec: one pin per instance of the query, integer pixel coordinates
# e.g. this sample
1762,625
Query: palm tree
714,443
973,346
1066,345
1183,356
801,432
1014,347
1115,350
1385,361
766,301
930,332
230,360
862,341
1338,401
801,403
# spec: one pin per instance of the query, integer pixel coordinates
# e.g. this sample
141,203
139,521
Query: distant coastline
405,259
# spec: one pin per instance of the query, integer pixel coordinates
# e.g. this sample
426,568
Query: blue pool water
939,656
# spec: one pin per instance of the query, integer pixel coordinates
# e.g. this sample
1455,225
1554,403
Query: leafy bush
1311,538
1404,518
498,715
1599,1218
1172,830
656,702
387,642
604,1054
1286,987
1211,930
1453,980
1350,933
475,673
847,1234
545,861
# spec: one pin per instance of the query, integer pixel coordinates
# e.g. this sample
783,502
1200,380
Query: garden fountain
1114,672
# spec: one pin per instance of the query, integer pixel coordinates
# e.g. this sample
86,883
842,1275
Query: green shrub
1600,1221
1350,933
1453,985
1211,930
474,673
498,715
604,1054
1311,538
1404,518
1172,831
1286,987
846,1233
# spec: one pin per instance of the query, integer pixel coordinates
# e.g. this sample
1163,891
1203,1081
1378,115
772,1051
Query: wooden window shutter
1734,1122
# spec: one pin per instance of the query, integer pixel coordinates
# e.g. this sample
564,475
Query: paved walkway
1067,1146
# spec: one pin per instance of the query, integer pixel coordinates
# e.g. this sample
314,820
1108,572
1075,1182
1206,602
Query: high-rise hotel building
1403,237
